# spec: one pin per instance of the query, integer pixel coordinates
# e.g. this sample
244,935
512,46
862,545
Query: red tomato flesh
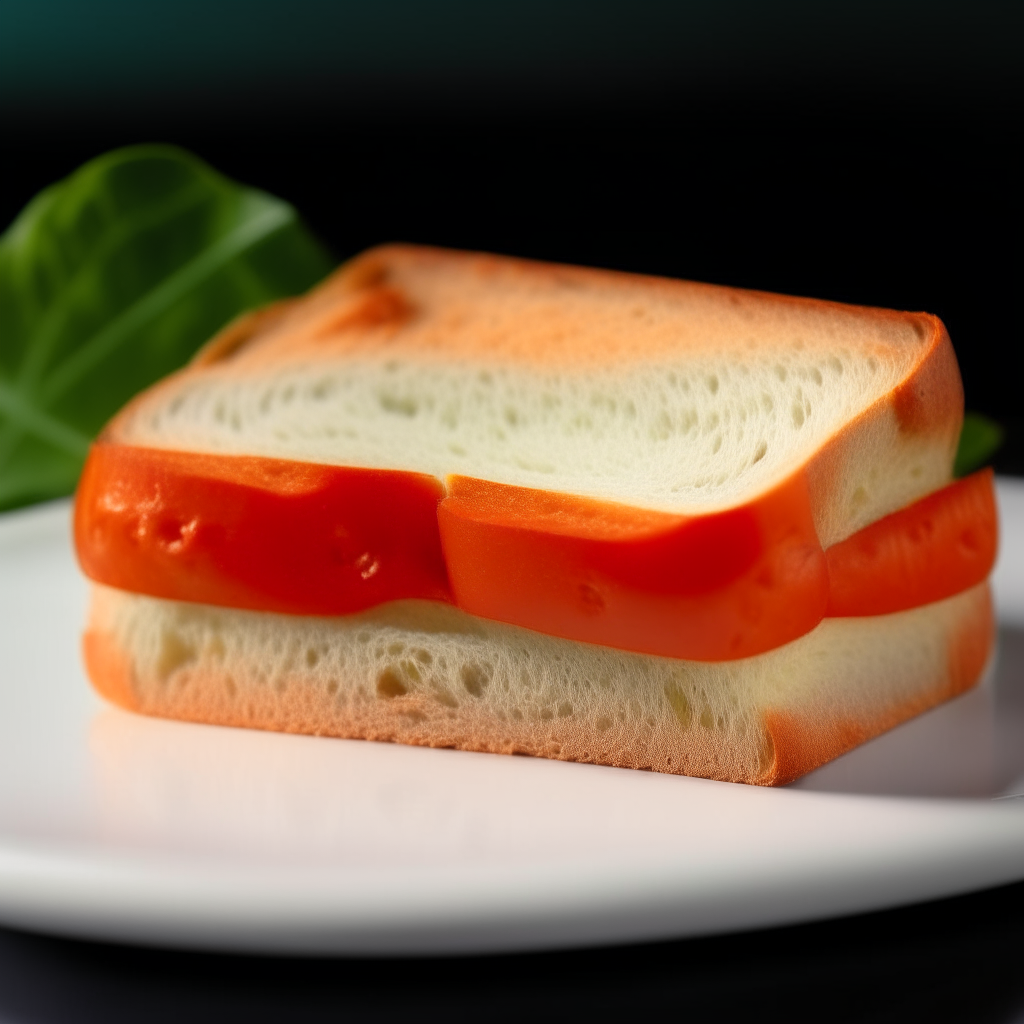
708,588
267,534
276,535
935,548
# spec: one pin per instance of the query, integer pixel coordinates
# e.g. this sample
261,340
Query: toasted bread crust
427,306
805,704
109,667
918,422
802,743
556,338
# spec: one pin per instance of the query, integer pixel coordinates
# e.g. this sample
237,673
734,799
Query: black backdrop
864,153
949,962
912,206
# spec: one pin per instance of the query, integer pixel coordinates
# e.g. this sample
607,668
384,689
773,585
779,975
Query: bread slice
662,395
426,673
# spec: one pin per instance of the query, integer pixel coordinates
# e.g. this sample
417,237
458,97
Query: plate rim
94,894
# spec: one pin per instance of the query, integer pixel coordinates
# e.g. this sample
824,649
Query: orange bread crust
820,702
373,299
801,744
433,307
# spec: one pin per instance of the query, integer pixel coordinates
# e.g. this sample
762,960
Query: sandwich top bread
672,474
661,395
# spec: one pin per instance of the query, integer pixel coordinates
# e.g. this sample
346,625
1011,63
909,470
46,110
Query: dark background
865,152
950,962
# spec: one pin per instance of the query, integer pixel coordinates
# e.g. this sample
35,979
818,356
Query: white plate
121,827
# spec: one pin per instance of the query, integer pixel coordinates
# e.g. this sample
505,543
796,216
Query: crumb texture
664,437
664,395
425,673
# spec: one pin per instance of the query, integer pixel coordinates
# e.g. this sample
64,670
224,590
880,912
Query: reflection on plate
117,826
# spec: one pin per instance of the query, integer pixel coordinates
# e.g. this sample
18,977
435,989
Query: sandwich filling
303,539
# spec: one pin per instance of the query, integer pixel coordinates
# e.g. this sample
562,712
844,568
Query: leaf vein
150,306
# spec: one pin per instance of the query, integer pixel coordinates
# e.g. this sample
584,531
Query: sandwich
477,502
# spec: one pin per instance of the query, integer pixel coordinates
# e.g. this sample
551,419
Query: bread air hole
390,684
399,406
680,705
175,652
475,678
323,388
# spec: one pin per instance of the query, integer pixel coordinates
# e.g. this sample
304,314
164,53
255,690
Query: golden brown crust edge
801,744
894,452
796,737
917,427
373,266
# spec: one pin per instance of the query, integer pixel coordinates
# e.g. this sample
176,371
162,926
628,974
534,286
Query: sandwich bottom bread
427,673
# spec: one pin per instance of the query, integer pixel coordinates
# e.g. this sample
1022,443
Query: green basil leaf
113,278
980,438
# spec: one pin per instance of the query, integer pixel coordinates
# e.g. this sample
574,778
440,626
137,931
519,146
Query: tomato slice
935,548
276,535
267,534
708,588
